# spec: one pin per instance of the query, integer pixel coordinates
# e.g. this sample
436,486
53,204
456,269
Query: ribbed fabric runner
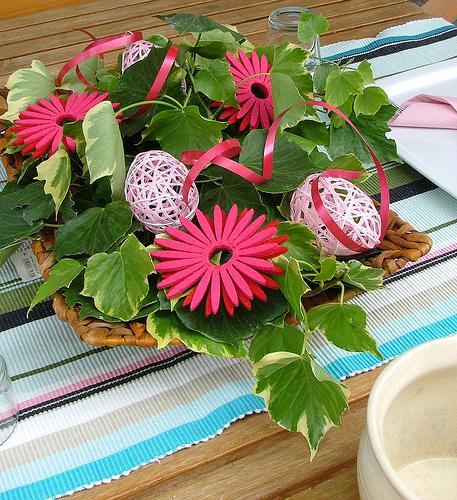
89,415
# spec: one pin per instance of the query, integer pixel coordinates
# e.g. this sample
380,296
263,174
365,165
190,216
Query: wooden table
254,458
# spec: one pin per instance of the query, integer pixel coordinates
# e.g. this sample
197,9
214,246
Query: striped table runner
89,415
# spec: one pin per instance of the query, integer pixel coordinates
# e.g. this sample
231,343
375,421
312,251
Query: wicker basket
401,244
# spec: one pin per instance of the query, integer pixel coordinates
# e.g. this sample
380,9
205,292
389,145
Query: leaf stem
172,99
55,226
141,103
202,102
342,292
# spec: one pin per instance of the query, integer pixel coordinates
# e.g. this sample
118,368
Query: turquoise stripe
124,437
140,453
379,42
343,367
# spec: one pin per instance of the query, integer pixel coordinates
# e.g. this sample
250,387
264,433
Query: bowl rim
372,409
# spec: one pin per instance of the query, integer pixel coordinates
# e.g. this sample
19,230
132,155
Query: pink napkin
427,111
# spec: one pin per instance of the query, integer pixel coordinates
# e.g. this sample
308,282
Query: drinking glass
282,27
8,408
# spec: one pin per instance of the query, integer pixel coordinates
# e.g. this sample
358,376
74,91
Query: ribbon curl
99,46
222,153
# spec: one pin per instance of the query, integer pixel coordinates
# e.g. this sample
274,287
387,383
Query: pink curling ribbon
100,46
160,79
221,154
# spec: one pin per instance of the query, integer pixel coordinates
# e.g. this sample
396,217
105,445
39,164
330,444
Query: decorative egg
135,52
153,188
350,208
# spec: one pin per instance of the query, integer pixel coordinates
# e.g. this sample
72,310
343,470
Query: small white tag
25,263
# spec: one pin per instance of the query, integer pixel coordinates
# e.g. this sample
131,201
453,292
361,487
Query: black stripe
420,266
19,317
409,190
105,385
400,46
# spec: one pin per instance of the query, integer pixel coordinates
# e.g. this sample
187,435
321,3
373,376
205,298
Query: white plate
432,152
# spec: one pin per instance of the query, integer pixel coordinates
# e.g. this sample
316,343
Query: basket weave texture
402,244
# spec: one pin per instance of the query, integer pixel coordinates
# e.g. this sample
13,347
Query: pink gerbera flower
252,92
187,267
40,126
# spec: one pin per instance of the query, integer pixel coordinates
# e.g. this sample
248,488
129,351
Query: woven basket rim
402,244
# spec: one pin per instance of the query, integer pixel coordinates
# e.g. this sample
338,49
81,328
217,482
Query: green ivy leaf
180,130
292,285
327,270
352,163
192,23
340,85
300,395
94,230
345,108
104,147
364,68
274,338
301,244
217,83
289,59
320,75
61,275
56,172
231,330
364,277
344,325
286,95
374,128
35,202
14,229
165,326
369,102
215,44
118,281
291,164
311,25
231,189
26,86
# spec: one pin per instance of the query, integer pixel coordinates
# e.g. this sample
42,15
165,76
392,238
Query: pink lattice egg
153,188
351,209
135,52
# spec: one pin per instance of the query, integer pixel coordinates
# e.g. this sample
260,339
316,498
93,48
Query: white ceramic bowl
408,449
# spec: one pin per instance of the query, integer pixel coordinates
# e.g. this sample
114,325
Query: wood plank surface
51,36
253,457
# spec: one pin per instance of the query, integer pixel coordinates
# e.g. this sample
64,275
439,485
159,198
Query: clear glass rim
3,370
275,22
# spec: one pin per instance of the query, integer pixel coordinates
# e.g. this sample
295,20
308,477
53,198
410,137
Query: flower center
220,255
260,90
65,118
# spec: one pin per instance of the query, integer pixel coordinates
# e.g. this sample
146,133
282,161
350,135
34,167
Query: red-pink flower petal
215,290
201,289
229,286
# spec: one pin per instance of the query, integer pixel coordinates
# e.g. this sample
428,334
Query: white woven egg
153,188
351,209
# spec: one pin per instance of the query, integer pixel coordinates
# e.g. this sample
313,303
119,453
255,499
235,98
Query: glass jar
282,27
8,408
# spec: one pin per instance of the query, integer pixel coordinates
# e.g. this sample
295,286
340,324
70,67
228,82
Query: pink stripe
160,355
